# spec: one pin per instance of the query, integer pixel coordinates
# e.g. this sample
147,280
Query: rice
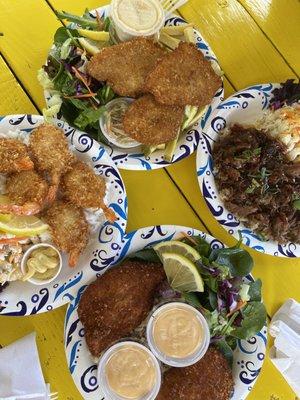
18,134
283,124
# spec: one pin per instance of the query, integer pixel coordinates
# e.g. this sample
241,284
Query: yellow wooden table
255,41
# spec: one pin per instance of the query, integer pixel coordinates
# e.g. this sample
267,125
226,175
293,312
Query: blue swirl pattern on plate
243,107
187,143
21,298
248,357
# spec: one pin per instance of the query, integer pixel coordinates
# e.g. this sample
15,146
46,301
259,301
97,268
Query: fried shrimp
125,66
69,229
28,193
82,187
51,154
118,302
183,77
151,123
14,156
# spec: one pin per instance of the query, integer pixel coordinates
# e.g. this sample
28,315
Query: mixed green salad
213,281
77,97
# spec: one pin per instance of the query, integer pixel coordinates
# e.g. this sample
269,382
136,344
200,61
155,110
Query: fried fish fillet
151,123
82,187
125,66
118,302
69,229
183,77
51,153
14,156
208,379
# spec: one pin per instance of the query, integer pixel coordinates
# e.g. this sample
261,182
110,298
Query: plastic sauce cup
133,18
176,324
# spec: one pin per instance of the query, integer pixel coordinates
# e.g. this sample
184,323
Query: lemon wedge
177,247
23,225
94,35
182,273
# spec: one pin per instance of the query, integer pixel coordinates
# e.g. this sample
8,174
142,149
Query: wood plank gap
184,196
269,40
20,83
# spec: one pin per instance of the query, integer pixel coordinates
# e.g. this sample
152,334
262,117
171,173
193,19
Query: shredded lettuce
44,79
65,49
54,105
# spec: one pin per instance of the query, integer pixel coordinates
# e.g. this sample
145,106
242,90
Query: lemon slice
182,273
91,46
94,35
177,247
4,200
23,225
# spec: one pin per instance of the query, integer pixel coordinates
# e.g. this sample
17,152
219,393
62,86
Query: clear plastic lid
134,18
111,123
136,379
180,330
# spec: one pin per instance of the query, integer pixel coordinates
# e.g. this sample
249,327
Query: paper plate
23,298
248,357
134,159
244,107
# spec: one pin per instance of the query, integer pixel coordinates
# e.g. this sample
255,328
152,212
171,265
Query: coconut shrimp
51,154
28,193
69,229
14,156
82,187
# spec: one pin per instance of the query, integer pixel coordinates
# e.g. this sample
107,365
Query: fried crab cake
118,302
208,379
125,66
183,77
14,156
82,187
69,229
28,193
51,153
151,123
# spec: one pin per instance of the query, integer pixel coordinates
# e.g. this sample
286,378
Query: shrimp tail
25,209
73,257
109,214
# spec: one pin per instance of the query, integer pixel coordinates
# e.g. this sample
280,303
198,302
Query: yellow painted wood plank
245,53
28,28
280,21
12,97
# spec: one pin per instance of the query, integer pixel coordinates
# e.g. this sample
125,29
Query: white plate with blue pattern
134,159
23,298
244,107
248,357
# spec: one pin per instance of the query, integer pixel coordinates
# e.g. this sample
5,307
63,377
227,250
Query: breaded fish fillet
69,229
118,302
183,77
82,187
14,156
151,123
125,66
208,379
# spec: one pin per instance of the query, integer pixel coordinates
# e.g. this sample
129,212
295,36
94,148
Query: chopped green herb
248,154
296,204
254,185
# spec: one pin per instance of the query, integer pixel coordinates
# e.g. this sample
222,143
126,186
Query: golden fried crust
81,186
151,123
26,186
183,77
50,150
118,302
69,228
125,66
14,156
209,379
